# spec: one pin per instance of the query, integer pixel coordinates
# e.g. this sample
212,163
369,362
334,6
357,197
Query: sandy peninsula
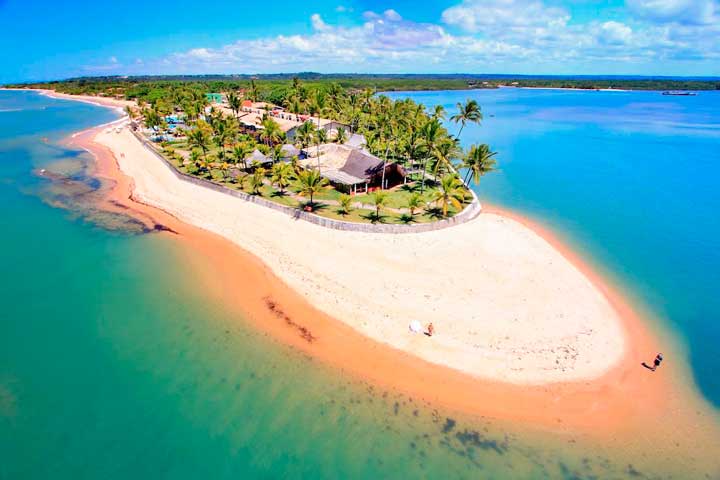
505,304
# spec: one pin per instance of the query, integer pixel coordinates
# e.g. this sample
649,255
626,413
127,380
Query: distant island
275,84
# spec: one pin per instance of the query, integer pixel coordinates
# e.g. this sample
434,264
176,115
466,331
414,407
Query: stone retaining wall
470,212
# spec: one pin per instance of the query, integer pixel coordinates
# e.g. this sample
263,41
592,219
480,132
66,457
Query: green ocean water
115,365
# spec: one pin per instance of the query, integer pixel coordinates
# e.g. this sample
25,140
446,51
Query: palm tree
282,174
276,153
235,104
225,133
254,90
432,135
478,161
414,202
451,192
256,181
198,137
469,112
438,112
194,157
341,136
153,118
271,132
320,138
445,152
310,182
224,167
241,151
379,199
305,134
345,202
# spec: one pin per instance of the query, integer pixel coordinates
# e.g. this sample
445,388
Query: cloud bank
473,36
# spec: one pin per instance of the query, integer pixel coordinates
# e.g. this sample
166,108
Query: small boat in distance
679,93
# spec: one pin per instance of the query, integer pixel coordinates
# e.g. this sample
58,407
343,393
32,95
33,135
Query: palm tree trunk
382,185
460,132
422,179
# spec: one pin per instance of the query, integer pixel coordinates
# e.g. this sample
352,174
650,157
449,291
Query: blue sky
51,40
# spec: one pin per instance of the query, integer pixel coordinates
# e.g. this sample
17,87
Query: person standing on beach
658,361
430,330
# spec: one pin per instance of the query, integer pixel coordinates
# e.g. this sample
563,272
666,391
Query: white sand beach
505,304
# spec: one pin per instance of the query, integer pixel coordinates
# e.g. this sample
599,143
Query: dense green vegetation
212,142
273,87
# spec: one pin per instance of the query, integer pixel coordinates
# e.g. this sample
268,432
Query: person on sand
658,361
430,330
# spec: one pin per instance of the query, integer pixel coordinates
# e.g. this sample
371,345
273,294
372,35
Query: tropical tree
282,175
479,161
415,201
310,183
254,90
224,168
447,150
305,134
379,199
225,133
451,192
153,118
318,105
438,112
468,112
321,136
432,135
257,180
271,132
341,136
199,138
235,103
346,203
241,151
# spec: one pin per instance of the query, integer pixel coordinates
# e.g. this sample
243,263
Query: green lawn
397,199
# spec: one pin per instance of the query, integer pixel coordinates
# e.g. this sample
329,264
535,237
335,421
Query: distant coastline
401,82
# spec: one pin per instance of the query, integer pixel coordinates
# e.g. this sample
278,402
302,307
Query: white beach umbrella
415,327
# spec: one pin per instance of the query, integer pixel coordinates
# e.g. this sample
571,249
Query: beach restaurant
352,170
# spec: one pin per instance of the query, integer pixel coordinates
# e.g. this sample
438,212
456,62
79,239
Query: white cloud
537,35
392,15
615,33
676,11
496,16
318,23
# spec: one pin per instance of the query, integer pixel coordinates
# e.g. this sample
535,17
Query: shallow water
631,180
114,363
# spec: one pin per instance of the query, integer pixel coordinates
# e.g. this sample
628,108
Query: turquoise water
631,179
114,365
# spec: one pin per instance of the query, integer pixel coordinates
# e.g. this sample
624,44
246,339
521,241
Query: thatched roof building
351,168
289,151
257,157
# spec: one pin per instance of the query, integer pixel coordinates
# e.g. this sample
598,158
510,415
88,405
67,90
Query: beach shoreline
597,405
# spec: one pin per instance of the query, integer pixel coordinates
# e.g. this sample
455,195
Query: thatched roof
258,156
346,165
289,151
